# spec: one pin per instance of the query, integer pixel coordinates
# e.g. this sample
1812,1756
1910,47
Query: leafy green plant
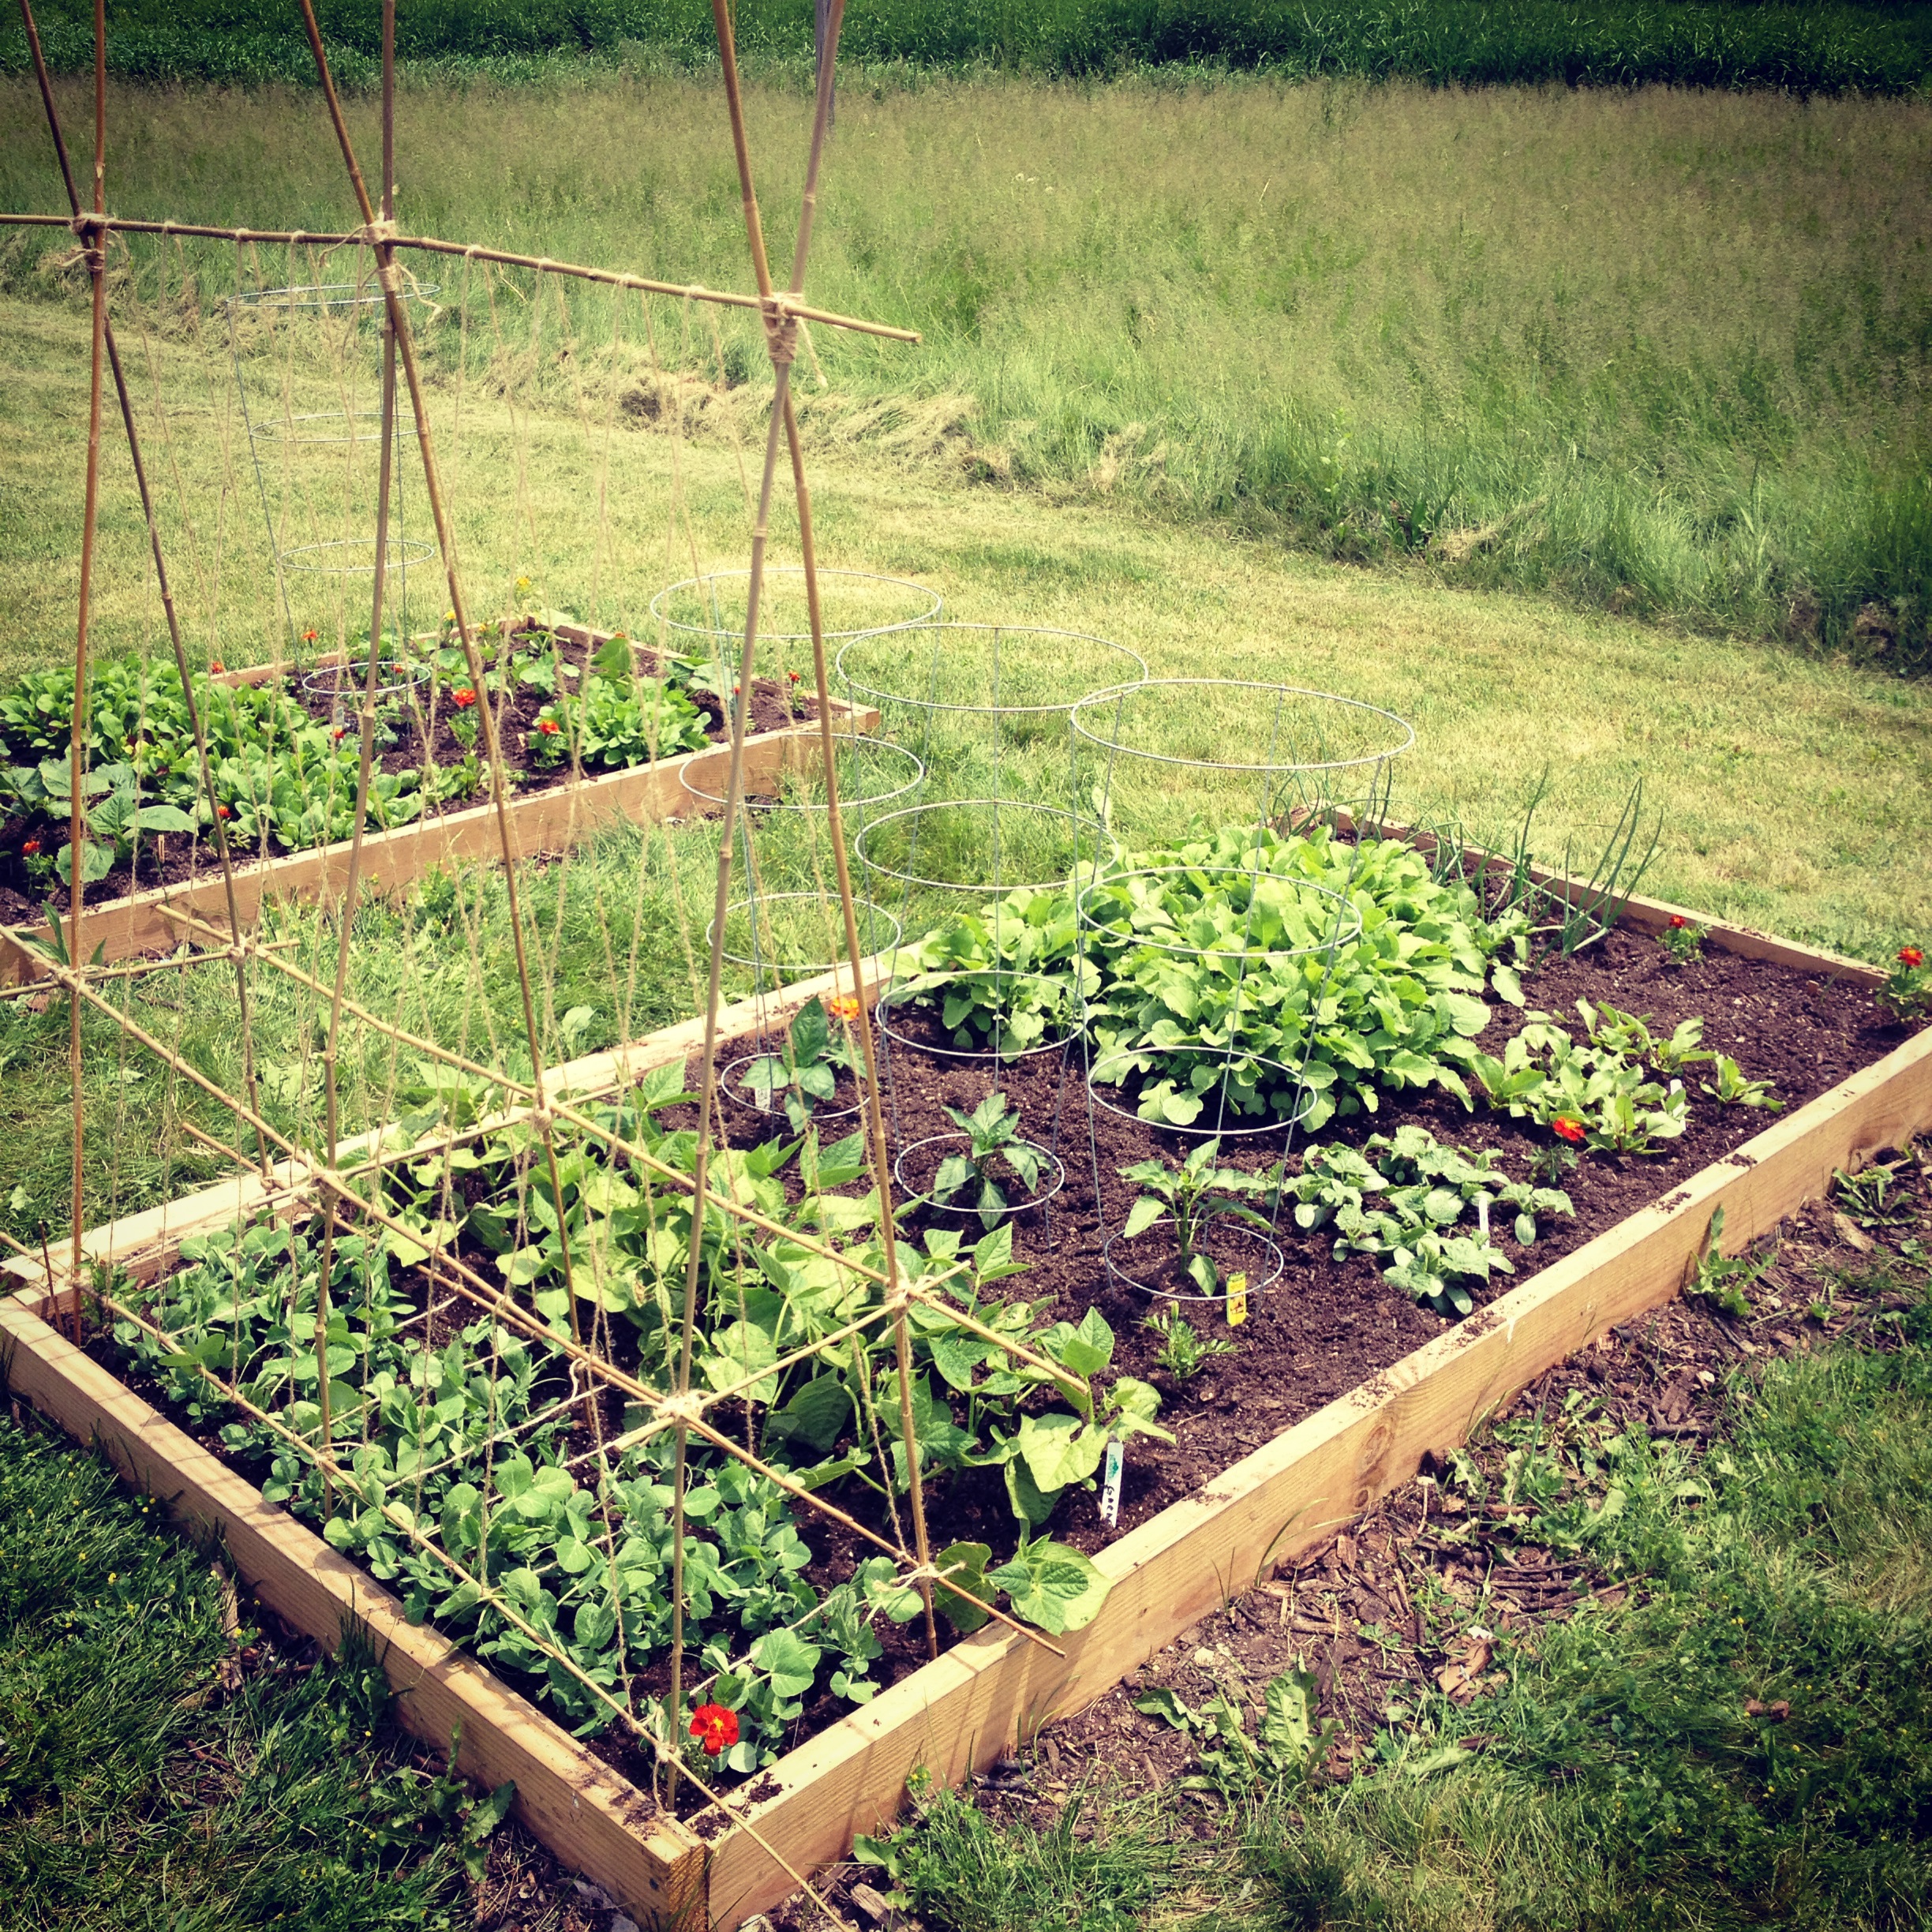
619,718
805,1071
1682,941
1285,1750
1722,1279
1009,979
1421,1191
1730,1088
1182,1353
995,1157
1600,1088
1189,1198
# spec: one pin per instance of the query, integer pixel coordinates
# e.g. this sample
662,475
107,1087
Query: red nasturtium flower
1565,1128
462,699
550,727
222,811
1911,956
32,846
793,676
308,637
714,1727
1678,922
216,665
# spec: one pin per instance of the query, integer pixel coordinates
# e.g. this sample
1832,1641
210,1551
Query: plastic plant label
1236,1299
1110,1480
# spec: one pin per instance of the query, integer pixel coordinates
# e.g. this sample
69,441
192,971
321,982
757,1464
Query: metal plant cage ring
910,1197
345,680
325,559
916,813
1128,668
1400,733
859,745
1221,1225
1348,918
705,587
897,996
326,429
327,295
736,1094
1220,1130
871,918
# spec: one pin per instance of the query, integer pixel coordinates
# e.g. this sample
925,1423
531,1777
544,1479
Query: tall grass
1877,47
1664,352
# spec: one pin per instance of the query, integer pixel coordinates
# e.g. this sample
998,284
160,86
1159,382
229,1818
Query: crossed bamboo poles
681,1412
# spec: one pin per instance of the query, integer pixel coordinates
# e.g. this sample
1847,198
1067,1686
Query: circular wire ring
1000,887
907,1198
847,801
1239,1228
661,614
1346,910
1405,730
269,429
734,1093
344,680
865,908
896,995
403,551
995,711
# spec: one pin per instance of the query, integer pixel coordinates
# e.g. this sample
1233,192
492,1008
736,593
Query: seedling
1182,1353
1189,1197
1733,1089
806,1071
1907,993
1722,1279
993,1149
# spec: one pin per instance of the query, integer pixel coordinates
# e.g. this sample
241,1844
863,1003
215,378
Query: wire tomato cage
1233,940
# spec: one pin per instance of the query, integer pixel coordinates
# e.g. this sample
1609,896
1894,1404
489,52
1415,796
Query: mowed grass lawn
1793,788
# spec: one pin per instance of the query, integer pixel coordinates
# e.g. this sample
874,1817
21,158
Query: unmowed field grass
1664,352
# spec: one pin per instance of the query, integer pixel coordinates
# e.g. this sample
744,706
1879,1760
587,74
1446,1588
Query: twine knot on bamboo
781,335
686,1406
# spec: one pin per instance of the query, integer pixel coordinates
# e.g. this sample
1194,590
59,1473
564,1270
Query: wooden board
543,821
592,1819
962,1712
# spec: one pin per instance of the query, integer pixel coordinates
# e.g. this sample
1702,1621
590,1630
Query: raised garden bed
1196,1523
555,801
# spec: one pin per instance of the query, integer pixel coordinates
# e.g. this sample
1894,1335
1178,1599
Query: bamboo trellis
350,1196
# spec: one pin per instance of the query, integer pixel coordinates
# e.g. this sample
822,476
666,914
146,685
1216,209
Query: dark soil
163,861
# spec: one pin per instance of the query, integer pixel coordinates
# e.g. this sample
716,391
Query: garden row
284,749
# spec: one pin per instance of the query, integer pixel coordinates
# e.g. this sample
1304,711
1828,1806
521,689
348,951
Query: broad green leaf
966,1563
1050,1585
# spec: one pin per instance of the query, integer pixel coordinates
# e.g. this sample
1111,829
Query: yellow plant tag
1236,1299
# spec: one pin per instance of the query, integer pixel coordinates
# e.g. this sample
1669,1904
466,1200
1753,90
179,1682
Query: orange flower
1565,1128
550,727
308,637
32,846
844,1007
222,811
462,699
216,665
1678,922
715,1727
1911,956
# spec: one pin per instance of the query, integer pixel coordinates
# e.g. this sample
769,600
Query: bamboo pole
542,265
